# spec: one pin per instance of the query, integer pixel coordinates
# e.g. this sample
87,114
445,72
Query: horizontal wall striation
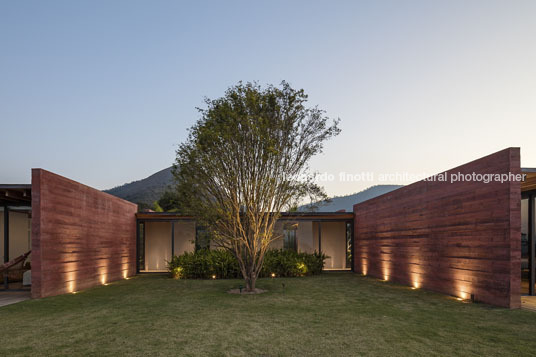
81,237
459,238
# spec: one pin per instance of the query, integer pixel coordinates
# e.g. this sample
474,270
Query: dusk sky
103,91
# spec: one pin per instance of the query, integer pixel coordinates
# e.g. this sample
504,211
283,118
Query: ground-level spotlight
272,275
463,295
213,276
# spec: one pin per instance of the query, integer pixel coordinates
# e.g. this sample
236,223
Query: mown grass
334,314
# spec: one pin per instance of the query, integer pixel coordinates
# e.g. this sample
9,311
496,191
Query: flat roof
162,216
319,216
530,180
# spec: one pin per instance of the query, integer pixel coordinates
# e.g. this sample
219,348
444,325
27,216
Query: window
141,246
202,238
349,245
528,256
289,237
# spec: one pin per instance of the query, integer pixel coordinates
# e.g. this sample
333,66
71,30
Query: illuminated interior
528,217
158,239
160,234
15,233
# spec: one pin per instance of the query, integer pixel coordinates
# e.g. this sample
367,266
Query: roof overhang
162,216
306,216
317,216
529,184
16,195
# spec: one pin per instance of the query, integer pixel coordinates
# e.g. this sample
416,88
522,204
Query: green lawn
329,315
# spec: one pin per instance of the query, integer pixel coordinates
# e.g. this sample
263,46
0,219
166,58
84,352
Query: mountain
347,202
144,192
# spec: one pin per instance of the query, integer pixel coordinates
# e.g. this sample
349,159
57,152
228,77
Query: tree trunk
250,279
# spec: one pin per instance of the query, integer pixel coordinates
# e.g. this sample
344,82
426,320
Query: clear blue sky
102,91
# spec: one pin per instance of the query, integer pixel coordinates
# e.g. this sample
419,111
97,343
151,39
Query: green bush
291,263
221,264
204,264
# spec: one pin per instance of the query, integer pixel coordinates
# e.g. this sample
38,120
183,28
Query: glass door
528,258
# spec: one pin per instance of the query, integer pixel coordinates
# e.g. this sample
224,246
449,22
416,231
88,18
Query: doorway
528,254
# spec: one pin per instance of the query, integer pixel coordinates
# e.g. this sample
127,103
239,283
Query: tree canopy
245,161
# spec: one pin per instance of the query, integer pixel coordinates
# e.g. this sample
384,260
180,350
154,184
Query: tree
168,202
245,161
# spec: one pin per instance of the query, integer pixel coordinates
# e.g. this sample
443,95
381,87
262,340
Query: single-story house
467,232
161,235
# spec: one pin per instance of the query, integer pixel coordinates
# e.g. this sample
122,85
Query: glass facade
141,246
289,239
159,239
528,217
202,238
349,242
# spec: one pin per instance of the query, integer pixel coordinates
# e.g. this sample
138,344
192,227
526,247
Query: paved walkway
12,297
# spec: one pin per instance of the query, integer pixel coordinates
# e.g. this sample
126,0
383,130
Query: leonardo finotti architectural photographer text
476,177
408,177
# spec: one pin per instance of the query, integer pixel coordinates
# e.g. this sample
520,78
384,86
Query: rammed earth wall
460,238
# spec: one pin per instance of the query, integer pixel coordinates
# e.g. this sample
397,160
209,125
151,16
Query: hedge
221,264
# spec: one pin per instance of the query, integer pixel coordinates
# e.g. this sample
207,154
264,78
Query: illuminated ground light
125,274
386,271
103,280
213,276
463,296
416,285
272,275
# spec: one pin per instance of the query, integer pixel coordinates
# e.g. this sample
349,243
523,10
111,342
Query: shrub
204,264
291,263
221,264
